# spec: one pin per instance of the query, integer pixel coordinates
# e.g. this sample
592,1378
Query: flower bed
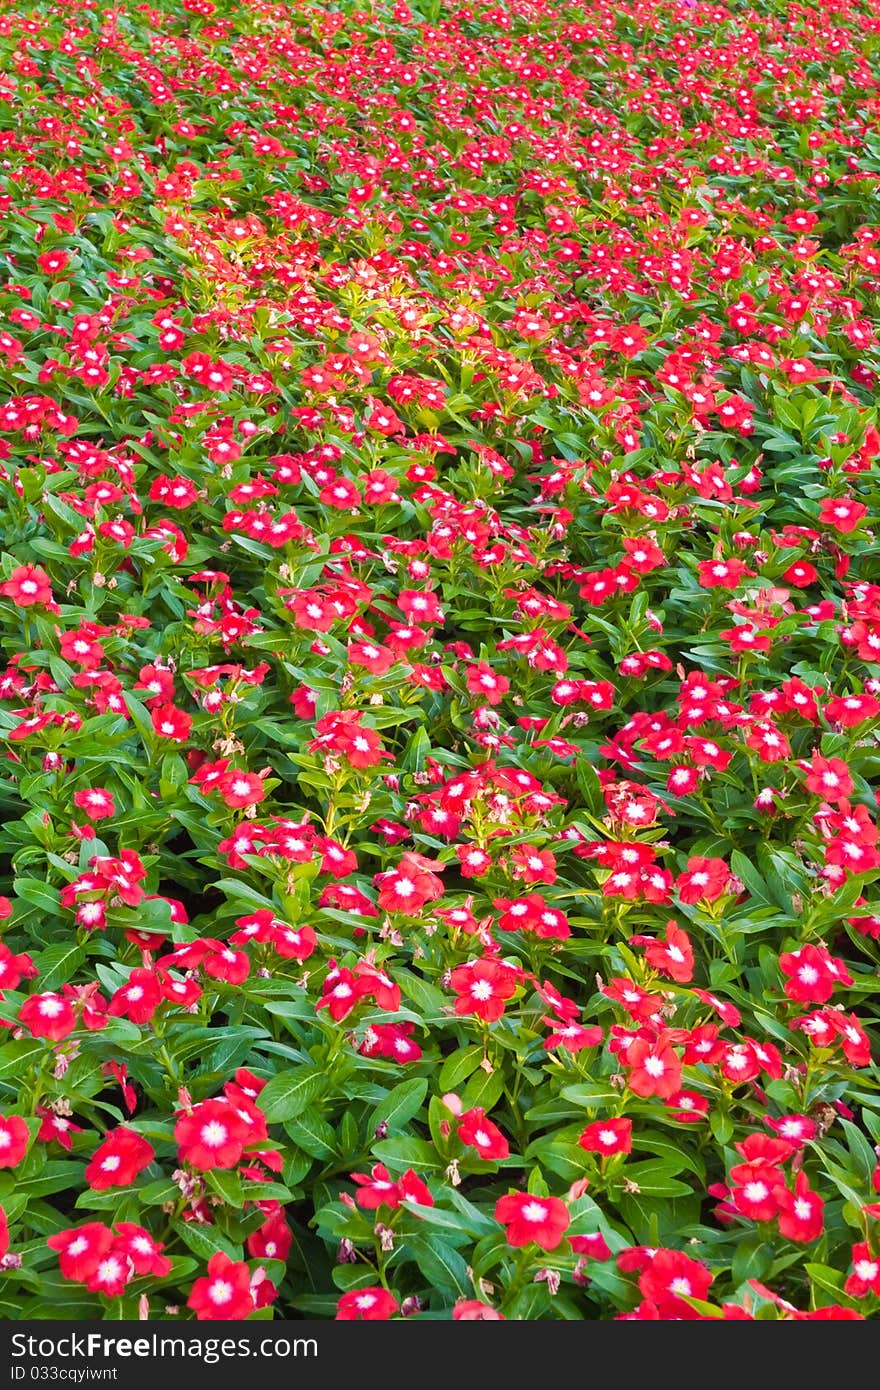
440,614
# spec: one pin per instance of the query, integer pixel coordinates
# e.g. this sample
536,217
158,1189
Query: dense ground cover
440,615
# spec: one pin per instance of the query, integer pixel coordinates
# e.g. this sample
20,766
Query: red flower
378,1189
13,968
255,926
703,880
643,554
373,1304
212,1135
341,731
768,742
539,1220
638,1002
336,859
688,1107
851,710
795,1129
481,1134
487,684
593,1247
410,886
118,1160
119,1072
272,1240
854,1041
112,1273
669,1278
240,789
532,914
608,1136
222,963
224,1294
841,513
673,957
800,1212
472,1310
53,262
483,986
654,1068
138,1246
724,574
574,1037
812,974
81,1249
533,865
413,1189
828,778
473,861
80,647
96,802
762,1148
294,943
27,585
372,656
801,574
14,1139
47,1016
754,1193
138,999
392,1041
171,722
342,991
377,983
56,1127
865,1277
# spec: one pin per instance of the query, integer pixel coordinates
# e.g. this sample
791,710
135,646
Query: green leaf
16,1057
158,1192
483,1090
242,892
427,998
228,1185
657,1179
458,1067
288,1093
40,895
861,1151
311,1133
140,717
744,869
54,1176
752,1258
448,1220
441,1265
206,1241
589,786
57,964
404,1152
829,1281
400,1105
721,1126
349,1135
